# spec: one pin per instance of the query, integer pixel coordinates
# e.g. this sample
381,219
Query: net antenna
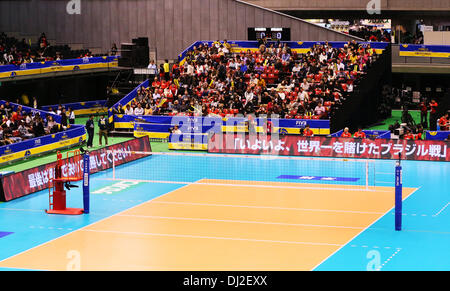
74,167
398,194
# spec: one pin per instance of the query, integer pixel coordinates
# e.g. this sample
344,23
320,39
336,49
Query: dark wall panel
170,25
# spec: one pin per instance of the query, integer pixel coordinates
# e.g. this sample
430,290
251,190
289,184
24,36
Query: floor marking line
238,221
267,207
18,209
362,187
388,259
27,250
210,237
363,230
443,208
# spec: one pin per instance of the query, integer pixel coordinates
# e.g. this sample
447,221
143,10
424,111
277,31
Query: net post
86,191
398,194
113,164
367,175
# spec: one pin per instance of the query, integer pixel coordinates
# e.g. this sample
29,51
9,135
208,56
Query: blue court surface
421,245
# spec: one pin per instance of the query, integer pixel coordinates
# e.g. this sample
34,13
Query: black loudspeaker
142,58
141,41
135,54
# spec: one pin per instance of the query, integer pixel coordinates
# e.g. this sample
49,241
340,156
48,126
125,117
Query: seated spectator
139,110
408,135
38,127
23,130
319,110
359,133
346,133
52,126
444,123
129,110
176,130
307,131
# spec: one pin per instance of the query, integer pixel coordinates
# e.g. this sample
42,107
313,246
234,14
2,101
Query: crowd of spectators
373,34
215,81
18,125
17,52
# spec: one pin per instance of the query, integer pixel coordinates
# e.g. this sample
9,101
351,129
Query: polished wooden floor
207,227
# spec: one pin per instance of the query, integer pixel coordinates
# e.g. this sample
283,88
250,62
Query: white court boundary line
442,209
210,237
267,207
238,221
256,185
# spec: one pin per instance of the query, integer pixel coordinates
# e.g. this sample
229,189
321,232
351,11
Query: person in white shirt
152,69
156,95
340,66
71,116
248,95
139,110
303,95
323,57
296,68
190,69
305,85
129,110
176,130
350,87
319,110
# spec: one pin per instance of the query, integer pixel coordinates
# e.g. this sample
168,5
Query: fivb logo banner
73,7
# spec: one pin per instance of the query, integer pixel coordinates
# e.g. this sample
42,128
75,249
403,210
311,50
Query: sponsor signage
36,179
422,150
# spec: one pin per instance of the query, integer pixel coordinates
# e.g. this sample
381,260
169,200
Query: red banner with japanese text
36,179
294,145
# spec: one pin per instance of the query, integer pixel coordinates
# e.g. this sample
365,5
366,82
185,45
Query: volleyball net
252,170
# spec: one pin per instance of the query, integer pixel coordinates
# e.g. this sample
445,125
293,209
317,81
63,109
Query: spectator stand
16,145
81,108
155,95
27,69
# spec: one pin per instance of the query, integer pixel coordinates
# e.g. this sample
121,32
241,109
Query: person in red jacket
307,131
346,133
359,133
433,115
444,123
408,135
423,114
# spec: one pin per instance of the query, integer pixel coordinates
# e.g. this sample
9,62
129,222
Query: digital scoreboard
272,34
